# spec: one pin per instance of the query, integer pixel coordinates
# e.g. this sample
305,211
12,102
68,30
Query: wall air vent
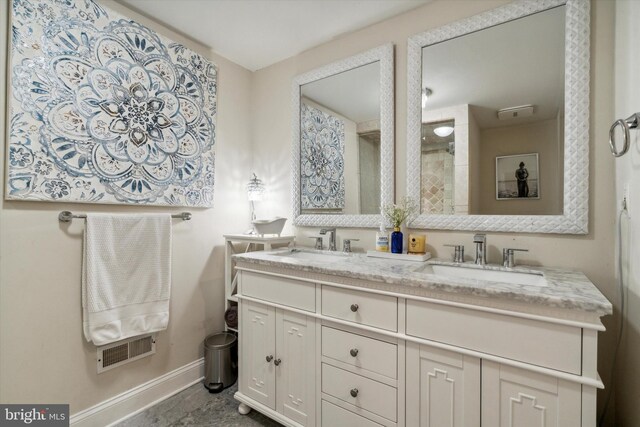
516,112
113,355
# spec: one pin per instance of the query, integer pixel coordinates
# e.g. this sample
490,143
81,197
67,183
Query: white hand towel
126,276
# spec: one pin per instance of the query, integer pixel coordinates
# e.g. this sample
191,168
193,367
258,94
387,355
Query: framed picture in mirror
517,177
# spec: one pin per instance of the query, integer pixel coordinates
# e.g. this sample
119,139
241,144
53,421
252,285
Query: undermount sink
313,256
512,277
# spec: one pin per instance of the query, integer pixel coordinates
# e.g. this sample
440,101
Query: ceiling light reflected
443,131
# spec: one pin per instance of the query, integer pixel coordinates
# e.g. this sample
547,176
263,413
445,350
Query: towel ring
630,123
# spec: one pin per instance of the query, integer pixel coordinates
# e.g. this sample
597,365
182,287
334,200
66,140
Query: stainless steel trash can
220,361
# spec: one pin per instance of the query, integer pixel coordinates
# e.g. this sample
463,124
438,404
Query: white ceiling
354,94
517,63
258,33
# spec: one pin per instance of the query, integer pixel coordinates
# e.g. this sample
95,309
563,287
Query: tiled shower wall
437,176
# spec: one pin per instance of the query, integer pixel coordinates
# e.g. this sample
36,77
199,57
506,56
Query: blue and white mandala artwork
104,110
321,160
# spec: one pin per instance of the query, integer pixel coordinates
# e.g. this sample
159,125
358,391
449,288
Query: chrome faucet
332,237
481,248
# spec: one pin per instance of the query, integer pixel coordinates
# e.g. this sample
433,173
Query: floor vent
117,354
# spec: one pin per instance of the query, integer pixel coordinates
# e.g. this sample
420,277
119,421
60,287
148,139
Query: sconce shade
255,189
426,93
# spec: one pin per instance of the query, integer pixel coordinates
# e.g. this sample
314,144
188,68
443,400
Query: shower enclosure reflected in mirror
343,141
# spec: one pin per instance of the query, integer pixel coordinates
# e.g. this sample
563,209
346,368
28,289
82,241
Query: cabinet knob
277,362
269,358
354,307
353,352
354,392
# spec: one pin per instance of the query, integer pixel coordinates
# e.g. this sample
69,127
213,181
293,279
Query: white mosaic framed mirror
507,82
343,141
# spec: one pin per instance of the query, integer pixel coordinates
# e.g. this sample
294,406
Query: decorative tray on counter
403,256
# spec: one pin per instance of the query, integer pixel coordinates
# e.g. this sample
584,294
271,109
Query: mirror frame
575,216
384,55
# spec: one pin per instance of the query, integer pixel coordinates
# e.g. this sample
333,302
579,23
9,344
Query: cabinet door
443,388
296,372
257,332
514,397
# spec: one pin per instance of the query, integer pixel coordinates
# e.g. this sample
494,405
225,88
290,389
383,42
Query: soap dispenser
382,239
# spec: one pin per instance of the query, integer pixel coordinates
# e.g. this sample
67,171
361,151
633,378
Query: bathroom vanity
332,339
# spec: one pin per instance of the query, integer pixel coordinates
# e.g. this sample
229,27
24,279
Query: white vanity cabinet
449,382
258,349
278,361
443,388
516,397
323,350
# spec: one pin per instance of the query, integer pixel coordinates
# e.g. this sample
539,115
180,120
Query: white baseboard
139,398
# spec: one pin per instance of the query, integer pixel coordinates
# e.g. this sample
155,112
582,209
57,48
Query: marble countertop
564,288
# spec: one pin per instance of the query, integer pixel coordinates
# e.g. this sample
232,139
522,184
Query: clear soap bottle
382,239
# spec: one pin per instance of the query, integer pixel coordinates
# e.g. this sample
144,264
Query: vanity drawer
333,416
370,354
372,396
532,341
279,290
380,311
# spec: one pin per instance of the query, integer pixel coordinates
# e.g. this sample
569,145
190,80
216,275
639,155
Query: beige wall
591,253
627,101
43,355
539,137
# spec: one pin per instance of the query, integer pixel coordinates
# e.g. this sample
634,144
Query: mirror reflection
493,120
340,143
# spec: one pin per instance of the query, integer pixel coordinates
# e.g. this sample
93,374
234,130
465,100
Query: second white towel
126,276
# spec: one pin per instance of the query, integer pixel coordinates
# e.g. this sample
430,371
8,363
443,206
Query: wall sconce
255,192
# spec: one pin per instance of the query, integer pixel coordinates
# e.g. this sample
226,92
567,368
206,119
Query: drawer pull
354,307
353,352
277,362
354,392
269,358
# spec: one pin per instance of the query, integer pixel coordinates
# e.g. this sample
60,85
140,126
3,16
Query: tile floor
195,406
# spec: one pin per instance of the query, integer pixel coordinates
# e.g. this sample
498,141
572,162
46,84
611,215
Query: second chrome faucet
481,248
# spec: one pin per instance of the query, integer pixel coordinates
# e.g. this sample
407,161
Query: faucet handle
346,244
458,253
508,256
319,242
